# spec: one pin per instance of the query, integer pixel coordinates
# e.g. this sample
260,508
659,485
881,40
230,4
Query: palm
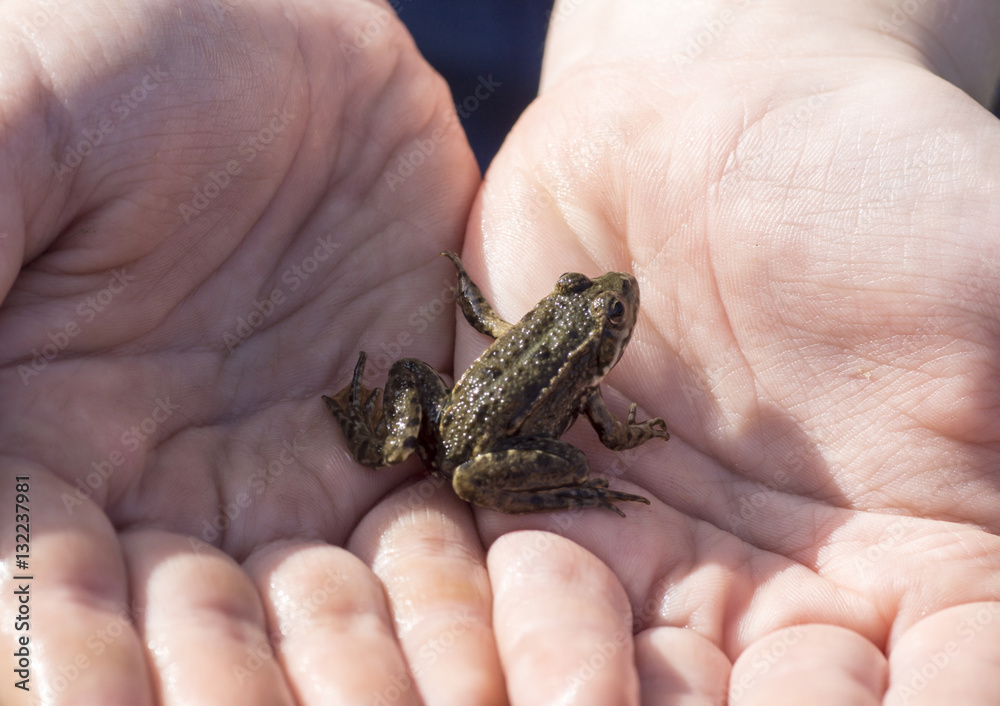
193,285
829,395
817,297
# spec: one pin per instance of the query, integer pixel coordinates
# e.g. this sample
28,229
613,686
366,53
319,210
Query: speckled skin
496,433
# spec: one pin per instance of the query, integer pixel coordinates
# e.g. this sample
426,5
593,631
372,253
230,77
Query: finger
423,546
337,638
81,645
950,657
679,667
814,664
202,620
562,621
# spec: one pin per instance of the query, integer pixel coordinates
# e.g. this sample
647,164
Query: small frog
495,435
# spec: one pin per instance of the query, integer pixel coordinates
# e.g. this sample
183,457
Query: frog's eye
573,283
616,311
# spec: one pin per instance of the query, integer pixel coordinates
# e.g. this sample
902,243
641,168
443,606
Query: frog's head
613,307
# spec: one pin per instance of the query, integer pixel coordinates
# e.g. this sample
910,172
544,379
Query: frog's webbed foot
531,474
652,428
593,492
386,434
616,435
476,309
359,414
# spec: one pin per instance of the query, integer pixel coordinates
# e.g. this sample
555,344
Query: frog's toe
610,506
654,428
401,437
339,413
658,428
359,372
397,450
602,491
594,492
597,492
626,497
371,404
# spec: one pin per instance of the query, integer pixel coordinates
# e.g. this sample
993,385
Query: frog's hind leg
476,309
357,411
535,474
414,396
386,434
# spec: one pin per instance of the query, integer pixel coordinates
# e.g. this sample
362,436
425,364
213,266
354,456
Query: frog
495,435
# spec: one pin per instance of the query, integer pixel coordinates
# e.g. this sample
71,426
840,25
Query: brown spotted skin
496,433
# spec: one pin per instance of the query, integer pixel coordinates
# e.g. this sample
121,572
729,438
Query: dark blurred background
489,51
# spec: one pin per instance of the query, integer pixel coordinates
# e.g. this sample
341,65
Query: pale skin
807,194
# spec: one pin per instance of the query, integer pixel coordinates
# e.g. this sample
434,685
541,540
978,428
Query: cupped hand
208,209
213,223
809,202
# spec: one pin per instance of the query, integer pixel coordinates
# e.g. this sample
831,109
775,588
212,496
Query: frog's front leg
616,435
387,434
534,474
476,309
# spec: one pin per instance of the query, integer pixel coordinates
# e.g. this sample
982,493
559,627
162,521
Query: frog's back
529,382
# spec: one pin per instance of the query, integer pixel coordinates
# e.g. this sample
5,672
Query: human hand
213,209
809,201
